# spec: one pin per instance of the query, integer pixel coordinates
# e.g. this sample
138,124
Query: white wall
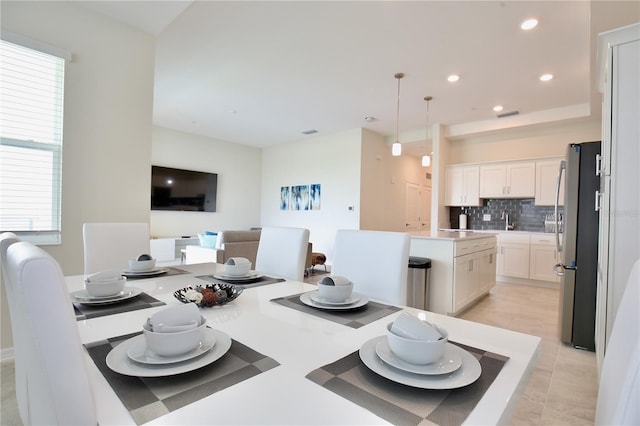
524,142
107,119
239,170
333,161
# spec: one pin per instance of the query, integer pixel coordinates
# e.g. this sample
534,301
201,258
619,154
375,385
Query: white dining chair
376,262
111,245
282,252
56,388
15,315
619,388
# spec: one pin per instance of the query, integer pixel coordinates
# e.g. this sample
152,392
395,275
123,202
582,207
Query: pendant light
426,159
396,148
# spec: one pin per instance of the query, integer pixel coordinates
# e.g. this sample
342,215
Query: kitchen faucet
505,217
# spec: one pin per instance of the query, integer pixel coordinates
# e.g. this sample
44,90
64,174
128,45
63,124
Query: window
31,106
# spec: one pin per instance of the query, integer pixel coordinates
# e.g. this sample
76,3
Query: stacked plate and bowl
417,353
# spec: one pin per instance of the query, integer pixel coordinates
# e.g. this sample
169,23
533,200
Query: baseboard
524,281
7,354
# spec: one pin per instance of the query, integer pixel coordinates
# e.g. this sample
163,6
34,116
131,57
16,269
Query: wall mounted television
183,190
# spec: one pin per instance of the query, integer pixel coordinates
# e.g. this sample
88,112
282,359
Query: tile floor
562,390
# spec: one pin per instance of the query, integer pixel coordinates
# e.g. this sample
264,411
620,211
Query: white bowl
237,266
412,327
176,343
104,288
141,265
335,293
417,352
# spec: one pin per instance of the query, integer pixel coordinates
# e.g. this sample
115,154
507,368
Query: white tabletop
300,343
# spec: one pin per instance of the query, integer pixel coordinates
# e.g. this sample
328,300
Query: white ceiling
260,73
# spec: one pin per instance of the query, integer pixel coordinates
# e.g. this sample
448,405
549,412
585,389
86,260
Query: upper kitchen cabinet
508,180
461,186
547,181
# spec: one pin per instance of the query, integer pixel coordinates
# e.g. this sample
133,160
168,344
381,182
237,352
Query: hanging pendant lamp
426,159
396,148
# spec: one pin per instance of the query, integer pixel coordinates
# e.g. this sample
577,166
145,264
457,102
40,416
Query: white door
412,207
425,208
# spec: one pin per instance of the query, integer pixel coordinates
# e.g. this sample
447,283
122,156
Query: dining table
291,363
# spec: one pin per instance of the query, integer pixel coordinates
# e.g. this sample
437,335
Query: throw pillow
208,241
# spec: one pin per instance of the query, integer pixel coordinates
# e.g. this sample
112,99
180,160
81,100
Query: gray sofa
232,244
228,244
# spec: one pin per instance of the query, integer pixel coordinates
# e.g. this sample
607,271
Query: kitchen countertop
454,235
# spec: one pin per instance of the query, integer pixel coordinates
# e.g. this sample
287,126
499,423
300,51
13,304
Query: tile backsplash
522,213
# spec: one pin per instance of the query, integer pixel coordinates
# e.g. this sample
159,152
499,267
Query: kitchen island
463,267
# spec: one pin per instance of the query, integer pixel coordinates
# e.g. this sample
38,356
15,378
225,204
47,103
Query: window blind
31,112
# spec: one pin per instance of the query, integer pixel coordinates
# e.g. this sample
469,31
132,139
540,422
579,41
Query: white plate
463,376
81,296
315,296
145,274
307,299
118,360
252,275
450,361
139,352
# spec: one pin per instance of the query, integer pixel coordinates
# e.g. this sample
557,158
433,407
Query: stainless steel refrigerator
579,247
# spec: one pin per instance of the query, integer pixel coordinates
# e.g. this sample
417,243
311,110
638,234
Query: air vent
309,132
507,114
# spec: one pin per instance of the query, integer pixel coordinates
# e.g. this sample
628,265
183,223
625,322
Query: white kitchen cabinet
460,274
513,255
488,269
619,227
508,180
464,271
461,186
546,182
472,276
543,256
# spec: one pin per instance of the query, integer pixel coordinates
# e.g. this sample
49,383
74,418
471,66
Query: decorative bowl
208,295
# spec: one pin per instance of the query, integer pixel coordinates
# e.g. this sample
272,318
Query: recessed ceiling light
546,77
529,24
309,132
453,78
498,108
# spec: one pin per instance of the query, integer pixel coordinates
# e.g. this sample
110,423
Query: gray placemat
406,405
170,272
151,397
354,318
141,301
264,280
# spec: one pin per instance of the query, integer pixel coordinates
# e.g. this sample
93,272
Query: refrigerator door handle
558,269
563,166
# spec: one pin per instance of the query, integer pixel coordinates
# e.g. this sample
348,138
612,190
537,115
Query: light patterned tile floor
561,391
563,388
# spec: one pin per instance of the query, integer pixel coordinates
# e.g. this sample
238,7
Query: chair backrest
282,252
376,262
15,315
619,389
111,245
57,386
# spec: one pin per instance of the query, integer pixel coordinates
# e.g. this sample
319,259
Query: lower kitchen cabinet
513,255
542,258
527,256
463,269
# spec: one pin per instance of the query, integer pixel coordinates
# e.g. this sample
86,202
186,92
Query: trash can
418,282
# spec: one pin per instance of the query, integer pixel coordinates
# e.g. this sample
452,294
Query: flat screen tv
183,190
